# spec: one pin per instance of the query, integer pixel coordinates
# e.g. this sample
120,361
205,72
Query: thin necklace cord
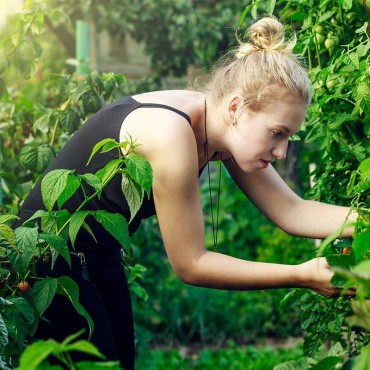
214,227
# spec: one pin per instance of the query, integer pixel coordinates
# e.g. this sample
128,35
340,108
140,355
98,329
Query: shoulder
163,137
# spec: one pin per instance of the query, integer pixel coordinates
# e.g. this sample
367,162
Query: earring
234,120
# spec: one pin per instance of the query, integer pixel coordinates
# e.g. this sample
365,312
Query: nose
280,150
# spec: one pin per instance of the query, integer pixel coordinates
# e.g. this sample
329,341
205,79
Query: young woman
253,102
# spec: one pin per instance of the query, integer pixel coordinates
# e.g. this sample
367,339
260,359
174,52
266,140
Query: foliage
36,356
230,357
186,32
24,296
334,37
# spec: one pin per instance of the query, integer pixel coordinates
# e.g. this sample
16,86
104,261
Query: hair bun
266,34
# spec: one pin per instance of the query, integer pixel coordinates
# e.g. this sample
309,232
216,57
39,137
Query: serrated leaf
107,172
73,184
365,168
42,124
85,347
68,288
26,244
25,309
323,17
133,194
43,292
70,121
347,4
38,214
75,224
99,145
36,158
3,334
327,363
7,218
140,170
52,186
301,364
7,233
92,180
115,224
59,244
37,352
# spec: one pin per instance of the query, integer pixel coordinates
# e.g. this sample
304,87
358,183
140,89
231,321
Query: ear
235,101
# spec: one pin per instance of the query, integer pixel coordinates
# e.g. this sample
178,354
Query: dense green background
40,110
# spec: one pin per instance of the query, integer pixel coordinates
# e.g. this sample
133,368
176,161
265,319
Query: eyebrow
285,128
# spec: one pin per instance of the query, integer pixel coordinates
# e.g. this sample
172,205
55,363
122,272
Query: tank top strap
156,105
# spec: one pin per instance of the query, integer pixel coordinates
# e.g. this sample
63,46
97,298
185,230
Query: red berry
8,144
346,250
24,286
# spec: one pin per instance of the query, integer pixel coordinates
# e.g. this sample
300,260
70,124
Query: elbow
188,275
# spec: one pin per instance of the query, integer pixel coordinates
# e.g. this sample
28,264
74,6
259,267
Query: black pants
106,298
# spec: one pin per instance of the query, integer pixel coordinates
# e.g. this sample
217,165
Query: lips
265,163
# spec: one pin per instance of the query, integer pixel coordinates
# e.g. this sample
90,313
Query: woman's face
259,137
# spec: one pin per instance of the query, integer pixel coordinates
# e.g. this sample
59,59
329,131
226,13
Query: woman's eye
277,134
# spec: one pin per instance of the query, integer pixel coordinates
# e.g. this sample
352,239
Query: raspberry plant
334,39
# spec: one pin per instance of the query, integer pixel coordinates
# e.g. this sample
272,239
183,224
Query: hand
316,276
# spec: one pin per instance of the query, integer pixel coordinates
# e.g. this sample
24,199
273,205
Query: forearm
313,219
215,270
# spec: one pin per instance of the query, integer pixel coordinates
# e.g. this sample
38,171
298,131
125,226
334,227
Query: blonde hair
261,69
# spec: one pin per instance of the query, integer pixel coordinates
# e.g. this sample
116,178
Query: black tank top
106,123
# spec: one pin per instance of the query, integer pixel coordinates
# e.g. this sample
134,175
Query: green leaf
323,17
59,244
25,308
270,6
7,218
301,364
43,292
3,334
26,243
361,314
106,365
70,121
36,158
37,352
85,347
42,124
108,171
133,193
7,233
347,4
73,183
365,168
327,363
92,180
52,186
362,270
140,170
72,337
68,288
362,361
99,145
75,224
38,214
115,224
361,245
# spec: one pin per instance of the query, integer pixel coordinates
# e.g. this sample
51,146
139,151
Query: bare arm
173,156
267,190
